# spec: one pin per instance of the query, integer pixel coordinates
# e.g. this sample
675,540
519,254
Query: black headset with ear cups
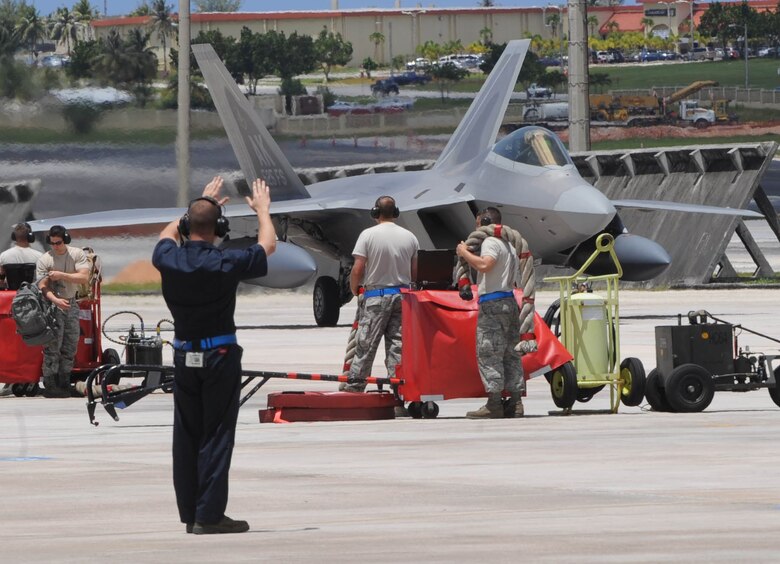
30,234
65,235
375,212
221,227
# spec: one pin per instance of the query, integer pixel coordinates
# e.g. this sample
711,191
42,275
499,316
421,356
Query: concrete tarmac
638,486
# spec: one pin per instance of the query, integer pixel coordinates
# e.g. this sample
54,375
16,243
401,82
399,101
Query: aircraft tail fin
257,152
479,127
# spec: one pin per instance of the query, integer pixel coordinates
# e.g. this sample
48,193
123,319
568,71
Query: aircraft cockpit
533,146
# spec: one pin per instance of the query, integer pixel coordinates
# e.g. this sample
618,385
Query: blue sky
124,6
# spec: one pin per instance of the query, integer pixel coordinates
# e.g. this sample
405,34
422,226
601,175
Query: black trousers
204,429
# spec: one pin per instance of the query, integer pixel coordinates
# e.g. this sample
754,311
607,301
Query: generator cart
696,360
590,327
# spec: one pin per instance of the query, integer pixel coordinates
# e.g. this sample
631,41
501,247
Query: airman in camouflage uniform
61,271
498,323
385,260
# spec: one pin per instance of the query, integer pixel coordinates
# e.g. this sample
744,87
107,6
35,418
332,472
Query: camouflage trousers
59,354
379,317
498,331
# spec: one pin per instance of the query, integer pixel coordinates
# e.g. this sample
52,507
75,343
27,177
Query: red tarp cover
19,364
439,358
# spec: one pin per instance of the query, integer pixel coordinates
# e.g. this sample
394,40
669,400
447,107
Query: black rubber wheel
327,304
655,393
774,393
31,390
430,409
584,395
532,115
415,409
111,356
18,390
563,386
689,389
633,374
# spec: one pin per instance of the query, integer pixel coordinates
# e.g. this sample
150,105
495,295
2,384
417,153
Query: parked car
668,55
536,91
384,87
550,62
602,57
767,52
731,53
340,107
394,104
410,77
420,63
649,56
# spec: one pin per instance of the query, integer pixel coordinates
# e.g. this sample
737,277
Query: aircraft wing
256,151
479,127
650,205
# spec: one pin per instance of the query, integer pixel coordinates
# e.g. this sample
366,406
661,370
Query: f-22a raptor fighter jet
527,174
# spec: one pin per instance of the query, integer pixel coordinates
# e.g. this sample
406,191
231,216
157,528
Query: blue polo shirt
199,283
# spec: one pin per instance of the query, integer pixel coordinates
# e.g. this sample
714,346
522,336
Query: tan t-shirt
389,250
72,261
501,277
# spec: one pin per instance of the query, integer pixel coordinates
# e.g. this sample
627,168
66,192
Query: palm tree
553,20
593,21
64,27
377,38
647,23
84,14
113,63
9,41
163,24
31,28
486,35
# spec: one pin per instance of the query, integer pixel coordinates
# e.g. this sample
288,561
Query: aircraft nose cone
586,210
288,267
641,258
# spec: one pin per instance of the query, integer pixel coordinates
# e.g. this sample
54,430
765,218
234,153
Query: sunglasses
57,243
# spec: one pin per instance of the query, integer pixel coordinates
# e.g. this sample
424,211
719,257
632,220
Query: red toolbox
19,363
286,407
439,358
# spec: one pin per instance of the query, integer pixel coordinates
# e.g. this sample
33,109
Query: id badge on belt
193,360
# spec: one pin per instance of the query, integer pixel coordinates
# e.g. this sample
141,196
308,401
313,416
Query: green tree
82,59
486,36
143,64
218,5
378,39
553,21
251,56
552,79
64,27
369,65
84,14
593,23
331,49
9,42
297,55
599,80
717,21
162,22
447,74
113,62
31,28
142,9
398,62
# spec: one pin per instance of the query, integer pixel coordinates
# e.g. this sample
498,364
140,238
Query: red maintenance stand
439,357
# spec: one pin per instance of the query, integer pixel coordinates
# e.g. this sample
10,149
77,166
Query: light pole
414,14
745,51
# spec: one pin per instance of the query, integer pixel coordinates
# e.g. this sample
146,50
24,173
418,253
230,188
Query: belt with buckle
382,292
205,344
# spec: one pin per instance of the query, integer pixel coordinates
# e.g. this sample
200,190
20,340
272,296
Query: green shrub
81,116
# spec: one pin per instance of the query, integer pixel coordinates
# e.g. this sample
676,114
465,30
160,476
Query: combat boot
514,406
491,410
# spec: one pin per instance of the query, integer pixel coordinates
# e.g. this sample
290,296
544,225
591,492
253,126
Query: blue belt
495,296
382,292
205,344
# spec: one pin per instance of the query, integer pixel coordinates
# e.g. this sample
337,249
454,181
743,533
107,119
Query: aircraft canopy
533,146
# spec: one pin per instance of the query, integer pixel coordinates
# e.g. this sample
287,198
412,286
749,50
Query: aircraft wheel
774,393
430,410
415,409
327,304
633,374
31,390
689,388
654,392
563,386
17,390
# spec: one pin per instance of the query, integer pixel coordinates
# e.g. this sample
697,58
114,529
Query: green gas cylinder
587,325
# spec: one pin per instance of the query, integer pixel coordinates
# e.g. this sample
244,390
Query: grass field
641,142
762,74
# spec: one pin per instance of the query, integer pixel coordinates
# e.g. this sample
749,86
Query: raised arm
260,202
